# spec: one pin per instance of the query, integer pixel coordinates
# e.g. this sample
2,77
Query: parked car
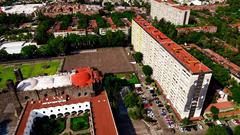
154,95
194,128
163,112
160,105
200,126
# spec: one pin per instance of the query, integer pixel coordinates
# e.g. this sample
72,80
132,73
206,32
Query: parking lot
156,109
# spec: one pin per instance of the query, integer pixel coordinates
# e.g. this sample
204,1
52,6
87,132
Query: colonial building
183,79
60,95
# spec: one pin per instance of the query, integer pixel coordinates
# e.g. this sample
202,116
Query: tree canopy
138,56
147,70
216,130
29,51
236,130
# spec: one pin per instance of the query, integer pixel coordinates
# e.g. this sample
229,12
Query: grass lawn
46,126
131,78
28,70
80,123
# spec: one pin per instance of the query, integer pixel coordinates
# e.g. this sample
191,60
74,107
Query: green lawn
28,70
131,78
46,126
80,123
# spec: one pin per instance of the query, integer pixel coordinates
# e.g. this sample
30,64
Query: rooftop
82,77
104,123
172,4
221,106
18,9
14,47
186,59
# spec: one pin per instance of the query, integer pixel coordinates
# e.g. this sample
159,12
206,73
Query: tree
131,99
138,56
236,130
147,70
3,54
29,51
55,47
214,110
216,130
185,121
148,80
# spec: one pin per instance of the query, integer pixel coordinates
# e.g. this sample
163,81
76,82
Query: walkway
69,130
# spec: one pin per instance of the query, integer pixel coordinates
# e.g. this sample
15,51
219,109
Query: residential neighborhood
119,67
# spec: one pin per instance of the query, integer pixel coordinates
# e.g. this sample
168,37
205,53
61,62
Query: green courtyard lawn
131,78
46,126
80,123
28,70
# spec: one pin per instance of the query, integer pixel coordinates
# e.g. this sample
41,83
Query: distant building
178,15
183,79
27,9
15,47
210,29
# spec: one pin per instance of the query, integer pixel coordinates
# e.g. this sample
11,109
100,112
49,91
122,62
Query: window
79,94
45,95
85,93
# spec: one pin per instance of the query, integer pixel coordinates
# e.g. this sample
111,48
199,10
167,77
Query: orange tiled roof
186,59
171,3
221,105
104,123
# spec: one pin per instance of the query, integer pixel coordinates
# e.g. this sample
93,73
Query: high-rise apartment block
178,15
183,79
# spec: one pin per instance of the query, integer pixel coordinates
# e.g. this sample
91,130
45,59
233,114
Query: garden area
80,123
47,126
28,70
130,77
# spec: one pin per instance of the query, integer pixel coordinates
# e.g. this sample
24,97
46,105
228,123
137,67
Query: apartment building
178,15
183,79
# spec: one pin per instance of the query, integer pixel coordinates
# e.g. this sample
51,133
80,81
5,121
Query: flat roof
187,60
13,47
172,4
19,9
104,123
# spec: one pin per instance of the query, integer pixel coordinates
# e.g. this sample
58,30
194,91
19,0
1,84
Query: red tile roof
186,59
211,29
104,123
221,60
171,3
84,77
220,106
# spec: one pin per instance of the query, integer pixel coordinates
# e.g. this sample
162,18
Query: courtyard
71,124
29,69
107,60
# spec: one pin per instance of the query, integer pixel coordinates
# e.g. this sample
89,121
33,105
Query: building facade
183,79
177,15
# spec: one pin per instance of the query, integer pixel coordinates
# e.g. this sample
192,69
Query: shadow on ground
4,127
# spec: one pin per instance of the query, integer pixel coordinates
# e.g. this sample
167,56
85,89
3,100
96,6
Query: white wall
54,110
